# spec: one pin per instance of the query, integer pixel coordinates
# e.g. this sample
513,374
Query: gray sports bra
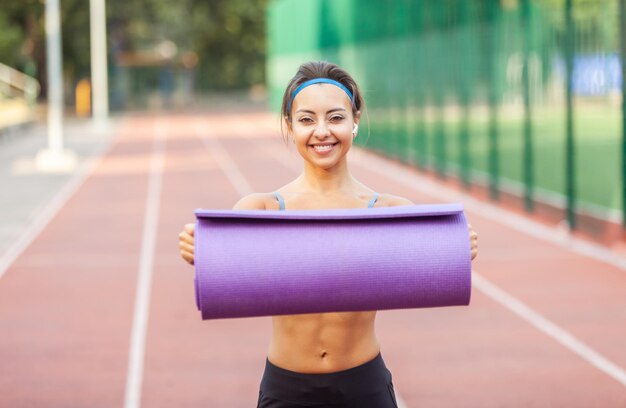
281,202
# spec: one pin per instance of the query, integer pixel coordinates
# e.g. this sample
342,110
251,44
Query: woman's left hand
473,236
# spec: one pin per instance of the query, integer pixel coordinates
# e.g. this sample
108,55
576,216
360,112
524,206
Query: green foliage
76,42
20,33
10,41
231,41
227,35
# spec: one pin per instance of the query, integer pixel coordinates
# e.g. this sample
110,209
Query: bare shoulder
390,200
255,201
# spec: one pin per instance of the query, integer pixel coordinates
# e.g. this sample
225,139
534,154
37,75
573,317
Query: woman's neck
326,181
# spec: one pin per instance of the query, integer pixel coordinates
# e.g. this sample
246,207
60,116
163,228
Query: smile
323,148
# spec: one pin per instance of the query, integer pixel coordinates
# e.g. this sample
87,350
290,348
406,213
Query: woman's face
322,123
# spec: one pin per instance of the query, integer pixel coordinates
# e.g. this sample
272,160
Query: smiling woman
326,358
320,72
323,124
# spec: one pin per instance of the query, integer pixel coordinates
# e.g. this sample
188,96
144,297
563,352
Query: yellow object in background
83,98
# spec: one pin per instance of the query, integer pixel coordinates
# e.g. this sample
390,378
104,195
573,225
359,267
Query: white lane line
399,400
224,161
547,327
47,214
134,376
229,167
492,212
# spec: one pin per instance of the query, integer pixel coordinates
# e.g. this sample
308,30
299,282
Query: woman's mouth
323,148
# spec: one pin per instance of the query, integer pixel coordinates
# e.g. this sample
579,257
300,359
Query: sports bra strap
373,200
281,202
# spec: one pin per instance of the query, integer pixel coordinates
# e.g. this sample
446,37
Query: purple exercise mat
266,263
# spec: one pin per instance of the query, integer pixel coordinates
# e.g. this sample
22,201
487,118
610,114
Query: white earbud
355,130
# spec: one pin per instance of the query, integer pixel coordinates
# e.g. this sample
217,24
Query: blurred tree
231,41
21,43
227,35
10,41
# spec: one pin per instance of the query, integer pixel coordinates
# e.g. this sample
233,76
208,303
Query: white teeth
323,148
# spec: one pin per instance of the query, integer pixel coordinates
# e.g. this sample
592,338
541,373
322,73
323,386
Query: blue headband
318,81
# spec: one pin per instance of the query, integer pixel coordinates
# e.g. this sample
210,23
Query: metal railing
18,97
15,84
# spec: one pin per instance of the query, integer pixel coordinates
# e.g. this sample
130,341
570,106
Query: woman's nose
321,130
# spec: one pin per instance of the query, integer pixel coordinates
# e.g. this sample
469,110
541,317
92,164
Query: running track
98,311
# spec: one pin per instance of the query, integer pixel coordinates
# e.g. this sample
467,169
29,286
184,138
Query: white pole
55,78
99,81
55,158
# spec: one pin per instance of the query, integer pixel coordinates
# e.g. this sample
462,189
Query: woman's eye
305,120
336,118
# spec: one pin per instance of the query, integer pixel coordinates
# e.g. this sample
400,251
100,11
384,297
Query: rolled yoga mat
266,263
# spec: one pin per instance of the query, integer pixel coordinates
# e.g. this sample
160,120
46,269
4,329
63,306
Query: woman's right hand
186,242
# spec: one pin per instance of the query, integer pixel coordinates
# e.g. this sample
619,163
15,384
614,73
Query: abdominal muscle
324,342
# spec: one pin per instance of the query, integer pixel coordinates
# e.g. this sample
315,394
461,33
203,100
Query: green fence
478,90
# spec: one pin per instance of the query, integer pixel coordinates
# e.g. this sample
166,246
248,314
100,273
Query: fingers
185,247
473,235
187,257
186,251
474,248
186,243
186,238
190,229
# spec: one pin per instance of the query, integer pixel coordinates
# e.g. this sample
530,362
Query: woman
327,359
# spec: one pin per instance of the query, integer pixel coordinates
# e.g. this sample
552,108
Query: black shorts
364,386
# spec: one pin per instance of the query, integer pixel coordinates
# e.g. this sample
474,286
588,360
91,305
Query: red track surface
66,304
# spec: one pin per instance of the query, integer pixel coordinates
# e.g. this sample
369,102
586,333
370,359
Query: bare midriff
323,343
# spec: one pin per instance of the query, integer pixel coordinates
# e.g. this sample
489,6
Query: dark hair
321,69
